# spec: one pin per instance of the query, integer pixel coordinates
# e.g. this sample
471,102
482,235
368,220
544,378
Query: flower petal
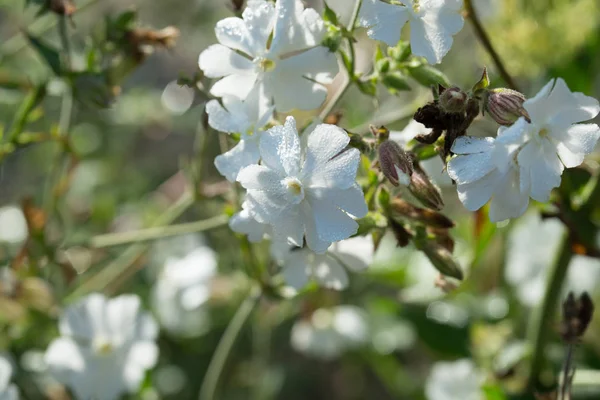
472,144
332,224
474,195
383,21
355,253
350,200
291,91
245,153
339,172
260,21
243,223
296,269
289,227
238,85
280,148
233,32
329,273
508,201
313,241
296,28
223,120
543,166
323,144
218,61
86,318
318,64
469,168
575,143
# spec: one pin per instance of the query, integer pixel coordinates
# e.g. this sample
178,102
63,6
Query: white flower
243,223
330,332
432,24
554,139
454,380
8,391
13,226
306,192
275,46
526,159
182,288
530,254
105,347
329,269
246,118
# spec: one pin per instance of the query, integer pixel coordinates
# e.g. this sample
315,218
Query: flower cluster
526,159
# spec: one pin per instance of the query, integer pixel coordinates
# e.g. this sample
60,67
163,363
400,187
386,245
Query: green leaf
50,54
125,20
396,82
483,83
367,87
329,15
31,101
493,393
429,76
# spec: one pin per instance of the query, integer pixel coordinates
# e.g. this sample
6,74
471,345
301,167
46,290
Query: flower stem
541,327
351,73
485,41
217,363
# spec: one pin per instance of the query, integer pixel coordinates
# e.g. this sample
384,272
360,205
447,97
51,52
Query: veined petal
575,143
431,34
542,164
296,28
259,16
233,33
280,148
218,60
222,120
289,227
332,224
383,21
262,178
469,168
472,145
238,85
339,172
350,200
329,273
313,240
508,201
245,153
323,144
475,194
317,63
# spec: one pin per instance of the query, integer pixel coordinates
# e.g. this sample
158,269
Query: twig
485,41
217,362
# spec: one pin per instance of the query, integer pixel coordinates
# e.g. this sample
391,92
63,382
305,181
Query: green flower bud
424,190
505,106
395,163
383,66
395,81
442,260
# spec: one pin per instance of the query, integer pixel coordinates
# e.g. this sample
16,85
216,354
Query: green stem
63,32
542,321
217,363
487,44
120,265
351,74
157,232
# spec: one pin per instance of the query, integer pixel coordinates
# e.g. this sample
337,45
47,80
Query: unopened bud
237,5
453,100
505,106
403,209
424,190
395,163
442,260
383,66
577,314
62,7
402,235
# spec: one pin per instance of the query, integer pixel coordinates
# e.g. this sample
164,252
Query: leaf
493,393
329,15
396,82
31,101
125,20
367,87
50,54
483,83
428,76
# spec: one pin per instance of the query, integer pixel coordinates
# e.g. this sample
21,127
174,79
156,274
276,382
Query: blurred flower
305,191
274,46
526,159
243,223
246,118
177,98
528,259
8,391
454,380
432,24
105,348
329,269
330,332
13,226
182,289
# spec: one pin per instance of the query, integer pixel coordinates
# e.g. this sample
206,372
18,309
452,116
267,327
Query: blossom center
543,132
264,64
102,346
295,189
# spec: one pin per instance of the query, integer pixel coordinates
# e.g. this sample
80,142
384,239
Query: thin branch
486,42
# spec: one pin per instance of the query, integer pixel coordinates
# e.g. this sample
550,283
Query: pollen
102,346
543,132
416,6
265,64
295,189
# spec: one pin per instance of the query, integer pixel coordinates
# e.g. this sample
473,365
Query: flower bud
505,106
403,209
402,235
442,260
453,100
395,81
62,7
395,163
383,66
577,314
424,190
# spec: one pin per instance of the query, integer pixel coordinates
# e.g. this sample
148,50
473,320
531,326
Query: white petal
280,148
575,143
431,35
475,194
313,241
233,32
217,61
296,269
222,120
86,318
318,64
292,91
355,253
508,201
143,354
330,273
260,20
265,207
469,168
238,85
63,357
122,313
383,21
339,172
471,145
351,200
543,166
5,374
289,227
245,153
332,224
324,143
243,222
296,28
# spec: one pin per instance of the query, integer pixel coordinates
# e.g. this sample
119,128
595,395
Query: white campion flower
330,332
307,191
276,46
526,159
454,380
299,265
242,222
105,347
432,24
8,391
182,289
246,117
